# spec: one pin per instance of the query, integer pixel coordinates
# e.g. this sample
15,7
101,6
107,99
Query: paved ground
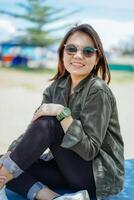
17,105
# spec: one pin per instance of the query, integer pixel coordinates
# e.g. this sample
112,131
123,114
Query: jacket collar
67,82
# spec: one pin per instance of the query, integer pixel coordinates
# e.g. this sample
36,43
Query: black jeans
66,171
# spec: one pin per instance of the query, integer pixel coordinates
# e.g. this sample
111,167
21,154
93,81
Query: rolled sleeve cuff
73,135
12,167
34,190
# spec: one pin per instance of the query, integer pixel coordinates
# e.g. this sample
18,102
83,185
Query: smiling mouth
77,64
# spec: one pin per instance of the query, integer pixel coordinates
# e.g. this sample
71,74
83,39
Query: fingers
3,179
49,109
34,118
38,114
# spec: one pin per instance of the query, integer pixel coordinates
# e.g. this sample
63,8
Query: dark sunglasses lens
88,51
71,49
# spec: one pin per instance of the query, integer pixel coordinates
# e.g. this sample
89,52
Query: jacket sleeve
47,95
85,135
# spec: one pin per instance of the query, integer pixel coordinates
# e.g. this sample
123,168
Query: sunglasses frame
82,49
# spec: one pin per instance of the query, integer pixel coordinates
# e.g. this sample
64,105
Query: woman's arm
86,134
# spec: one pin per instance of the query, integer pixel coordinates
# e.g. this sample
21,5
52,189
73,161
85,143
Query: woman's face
78,64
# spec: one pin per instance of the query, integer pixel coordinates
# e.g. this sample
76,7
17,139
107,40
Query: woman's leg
38,137
35,178
77,172
47,132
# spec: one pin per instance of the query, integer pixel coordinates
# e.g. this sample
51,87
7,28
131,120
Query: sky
113,20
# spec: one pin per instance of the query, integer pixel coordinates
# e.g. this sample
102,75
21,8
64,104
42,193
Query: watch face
67,112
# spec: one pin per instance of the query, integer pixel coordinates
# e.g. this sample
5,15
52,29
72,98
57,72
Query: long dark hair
101,69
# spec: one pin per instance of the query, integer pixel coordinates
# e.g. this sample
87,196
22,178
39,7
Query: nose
78,54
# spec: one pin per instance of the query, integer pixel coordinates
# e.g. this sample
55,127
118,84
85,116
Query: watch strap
66,112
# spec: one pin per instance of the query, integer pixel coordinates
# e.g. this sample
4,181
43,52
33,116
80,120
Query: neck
75,80
74,83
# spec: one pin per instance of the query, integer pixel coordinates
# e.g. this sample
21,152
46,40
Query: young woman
78,122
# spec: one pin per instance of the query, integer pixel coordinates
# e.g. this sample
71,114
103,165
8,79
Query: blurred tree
127,46
41,16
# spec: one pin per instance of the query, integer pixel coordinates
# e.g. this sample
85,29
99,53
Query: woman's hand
2,158
50,109
2,178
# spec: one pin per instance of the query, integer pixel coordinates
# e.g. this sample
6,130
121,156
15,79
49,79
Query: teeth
80,64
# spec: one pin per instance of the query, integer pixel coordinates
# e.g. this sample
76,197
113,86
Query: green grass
32,80
122,76
36,79
29,70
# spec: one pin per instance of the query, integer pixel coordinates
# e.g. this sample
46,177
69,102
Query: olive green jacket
95,131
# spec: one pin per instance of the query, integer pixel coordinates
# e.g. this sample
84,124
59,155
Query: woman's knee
39,127
45,122
45,127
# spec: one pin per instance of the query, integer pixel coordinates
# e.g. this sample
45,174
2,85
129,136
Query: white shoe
3,194
81,195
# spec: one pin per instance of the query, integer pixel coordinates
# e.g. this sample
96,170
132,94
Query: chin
79,74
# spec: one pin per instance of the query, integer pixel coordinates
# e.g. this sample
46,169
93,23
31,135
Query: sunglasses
88,51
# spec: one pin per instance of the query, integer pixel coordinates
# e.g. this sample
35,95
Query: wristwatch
66,112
